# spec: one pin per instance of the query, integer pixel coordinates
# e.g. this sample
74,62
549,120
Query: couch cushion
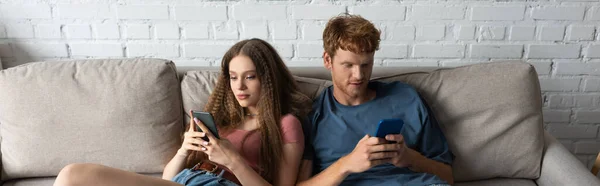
120,113
498,182
491,115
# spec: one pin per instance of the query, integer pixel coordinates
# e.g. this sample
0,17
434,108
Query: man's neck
348,100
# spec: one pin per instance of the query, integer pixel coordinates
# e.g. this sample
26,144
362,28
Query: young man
339,149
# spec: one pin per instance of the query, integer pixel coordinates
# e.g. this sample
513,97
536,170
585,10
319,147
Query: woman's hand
191,141
220,151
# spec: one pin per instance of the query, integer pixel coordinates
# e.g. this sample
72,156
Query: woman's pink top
291,132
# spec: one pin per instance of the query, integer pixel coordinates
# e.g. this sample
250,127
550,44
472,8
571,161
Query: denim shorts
189,177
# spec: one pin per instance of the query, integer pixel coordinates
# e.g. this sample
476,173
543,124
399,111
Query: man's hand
403,157
370,152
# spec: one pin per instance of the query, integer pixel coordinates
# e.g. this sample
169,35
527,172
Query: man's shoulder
397,88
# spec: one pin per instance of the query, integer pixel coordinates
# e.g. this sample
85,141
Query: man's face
350,72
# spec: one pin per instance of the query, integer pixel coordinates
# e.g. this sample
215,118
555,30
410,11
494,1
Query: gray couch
129,114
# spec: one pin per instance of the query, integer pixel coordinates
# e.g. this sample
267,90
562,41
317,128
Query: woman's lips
242,96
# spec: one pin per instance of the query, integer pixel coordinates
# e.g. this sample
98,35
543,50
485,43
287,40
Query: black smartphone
208,121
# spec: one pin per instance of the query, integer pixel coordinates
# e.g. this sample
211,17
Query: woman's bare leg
93,174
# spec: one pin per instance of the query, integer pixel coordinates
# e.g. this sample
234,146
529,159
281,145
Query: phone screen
208,121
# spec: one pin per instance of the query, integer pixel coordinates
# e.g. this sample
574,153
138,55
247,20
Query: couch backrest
490,113
120,113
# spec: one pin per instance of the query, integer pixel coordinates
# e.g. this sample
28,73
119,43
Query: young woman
256,106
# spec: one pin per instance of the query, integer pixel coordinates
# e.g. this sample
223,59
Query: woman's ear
327,61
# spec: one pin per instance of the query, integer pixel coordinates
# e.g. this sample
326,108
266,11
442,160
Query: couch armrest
560,167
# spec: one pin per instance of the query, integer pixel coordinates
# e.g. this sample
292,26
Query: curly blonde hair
279,96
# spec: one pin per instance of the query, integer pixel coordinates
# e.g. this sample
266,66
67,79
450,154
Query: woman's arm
175,165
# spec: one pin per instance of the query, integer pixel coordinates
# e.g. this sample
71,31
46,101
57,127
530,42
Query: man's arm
369,152
421,163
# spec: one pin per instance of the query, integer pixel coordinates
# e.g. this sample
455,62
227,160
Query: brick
552,33
496,51
260,12
196,31
283,30
381,12
581,33
438,51
19,31
560,85
312,32
587,147
143,11
43,49
98,50
5,50
193,63
86,11
319,12
310,50
465,32
558,13
305,63
572,131
594,13
522,33
39,11
402,33
254,29
2,31
592,85
392,51
78,31
201,13
542,68
48,31
431,32
554,51
137,31
166,31
284,50
152,50
497,13
587,116
492,32
558,116
437,12
561,101
578,68
411,63
106,31
205,50
586,101
593,51
227,30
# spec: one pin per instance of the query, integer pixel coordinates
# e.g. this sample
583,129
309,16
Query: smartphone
208,121
388,126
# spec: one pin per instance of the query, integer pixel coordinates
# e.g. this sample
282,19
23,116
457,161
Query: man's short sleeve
432,143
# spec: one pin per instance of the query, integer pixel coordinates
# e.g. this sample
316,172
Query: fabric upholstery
120,113
491,114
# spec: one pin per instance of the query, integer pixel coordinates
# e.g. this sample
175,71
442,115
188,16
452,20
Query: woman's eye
232,78
250,77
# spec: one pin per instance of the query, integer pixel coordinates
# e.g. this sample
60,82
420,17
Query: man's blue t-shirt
335,129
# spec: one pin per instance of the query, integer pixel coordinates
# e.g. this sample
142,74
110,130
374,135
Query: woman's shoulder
289,120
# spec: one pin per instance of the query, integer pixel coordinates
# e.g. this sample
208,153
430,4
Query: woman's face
244,81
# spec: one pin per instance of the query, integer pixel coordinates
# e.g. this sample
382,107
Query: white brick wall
561,39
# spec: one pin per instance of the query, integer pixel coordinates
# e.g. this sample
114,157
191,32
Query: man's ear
327,61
